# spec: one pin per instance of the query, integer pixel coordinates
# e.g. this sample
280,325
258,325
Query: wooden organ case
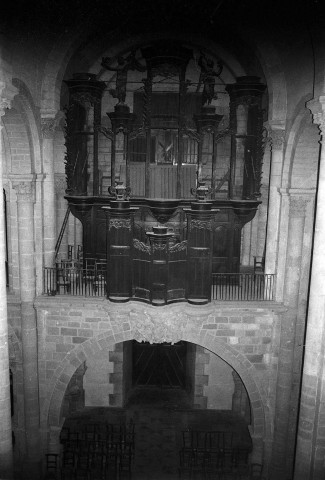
171,146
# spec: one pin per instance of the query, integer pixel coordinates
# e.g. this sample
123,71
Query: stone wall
72,331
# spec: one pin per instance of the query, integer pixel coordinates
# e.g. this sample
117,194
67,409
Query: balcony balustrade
92,282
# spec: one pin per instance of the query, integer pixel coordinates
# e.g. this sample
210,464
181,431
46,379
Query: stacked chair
97,452
214,455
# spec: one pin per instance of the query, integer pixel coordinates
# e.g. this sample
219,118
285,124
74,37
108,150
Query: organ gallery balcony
160,251
178,130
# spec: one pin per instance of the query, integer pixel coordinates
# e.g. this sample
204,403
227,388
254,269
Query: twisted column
6,454
310,449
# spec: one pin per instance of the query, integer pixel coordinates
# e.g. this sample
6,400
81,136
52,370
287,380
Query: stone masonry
70,331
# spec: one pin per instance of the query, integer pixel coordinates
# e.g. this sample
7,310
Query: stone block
116,378
72,324
73,332
115,399
198,390
201,379
247,349
210,326
249,319
235,319
104,325
202,358
84,332
51,365
225,332
64,347
200,402
54,338
199,369
53,330
93,319
250,333
116,356
118,367
79,339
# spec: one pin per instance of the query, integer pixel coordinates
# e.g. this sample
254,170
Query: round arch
69,44
302,117
25,105
245,369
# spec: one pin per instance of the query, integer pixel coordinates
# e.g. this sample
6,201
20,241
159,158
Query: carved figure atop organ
124,64
208,77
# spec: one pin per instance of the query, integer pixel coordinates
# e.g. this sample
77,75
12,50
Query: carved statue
122,68
208,78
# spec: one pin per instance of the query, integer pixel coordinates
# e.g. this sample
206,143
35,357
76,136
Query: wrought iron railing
243,286
91,282
87,282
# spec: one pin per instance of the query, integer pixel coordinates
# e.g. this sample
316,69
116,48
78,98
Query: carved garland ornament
158,328
201,225
159,247
179,247
115,223
141,246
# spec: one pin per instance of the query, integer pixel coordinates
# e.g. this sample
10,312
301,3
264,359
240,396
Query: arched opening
119,408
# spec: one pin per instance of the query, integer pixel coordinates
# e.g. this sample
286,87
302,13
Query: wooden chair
52,465
79,252
99,281
68,465
240,463
259,263
256,470
63,279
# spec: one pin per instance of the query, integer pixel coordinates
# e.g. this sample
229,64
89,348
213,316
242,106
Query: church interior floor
159,417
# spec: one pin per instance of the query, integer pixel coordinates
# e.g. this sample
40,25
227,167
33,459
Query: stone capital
276,137
48,127
4,104
25,188
275,133
7,94
317,108
49,121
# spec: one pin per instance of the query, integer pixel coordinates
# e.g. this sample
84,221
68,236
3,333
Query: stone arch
19,158
57,62
25,104
64,50
303,116
260,419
